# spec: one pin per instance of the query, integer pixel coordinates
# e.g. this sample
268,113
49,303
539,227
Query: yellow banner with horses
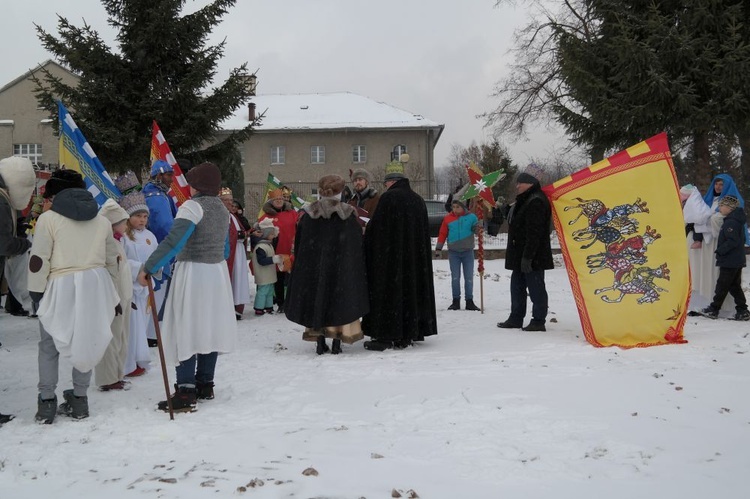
622,237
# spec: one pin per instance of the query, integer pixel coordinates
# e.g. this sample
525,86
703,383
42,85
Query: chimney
251,111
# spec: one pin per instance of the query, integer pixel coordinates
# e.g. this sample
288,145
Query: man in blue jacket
161,207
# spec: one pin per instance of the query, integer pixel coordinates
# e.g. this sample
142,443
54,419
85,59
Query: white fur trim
18,174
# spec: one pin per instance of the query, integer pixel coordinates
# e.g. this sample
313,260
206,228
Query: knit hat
225,192
275,194
205,178
267,227
730,201
330,185
133,202
460,203
19,178
526,178
362,173
61,180
113,212
394,171
161,166
127,182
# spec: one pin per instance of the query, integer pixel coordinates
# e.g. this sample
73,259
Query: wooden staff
155,316
480,252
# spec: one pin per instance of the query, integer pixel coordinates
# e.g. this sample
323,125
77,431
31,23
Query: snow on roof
324,112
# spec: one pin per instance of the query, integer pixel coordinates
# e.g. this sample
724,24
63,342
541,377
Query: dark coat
528,231
399,268
327,285
367,200
730,247
11,242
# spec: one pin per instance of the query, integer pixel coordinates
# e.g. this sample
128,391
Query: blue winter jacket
162,210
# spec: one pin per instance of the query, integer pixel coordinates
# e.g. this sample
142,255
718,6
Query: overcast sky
437,58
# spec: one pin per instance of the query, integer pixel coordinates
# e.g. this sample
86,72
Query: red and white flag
179,190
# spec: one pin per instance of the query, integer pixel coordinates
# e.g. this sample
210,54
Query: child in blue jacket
458,229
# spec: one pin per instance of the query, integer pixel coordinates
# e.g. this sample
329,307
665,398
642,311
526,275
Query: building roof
326,111
28,73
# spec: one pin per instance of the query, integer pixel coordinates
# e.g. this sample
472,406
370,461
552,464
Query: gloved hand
526,265
438,253
118,310
133,306
477,228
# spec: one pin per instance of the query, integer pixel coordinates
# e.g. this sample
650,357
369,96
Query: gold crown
225,191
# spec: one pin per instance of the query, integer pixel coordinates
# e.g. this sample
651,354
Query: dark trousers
199,367
729,283
279,288
11,304
534,283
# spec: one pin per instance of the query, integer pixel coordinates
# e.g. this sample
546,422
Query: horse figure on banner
621,257
639,281
606,225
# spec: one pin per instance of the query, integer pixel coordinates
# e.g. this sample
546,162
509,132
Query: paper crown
394,170
133,202
127,182
225,191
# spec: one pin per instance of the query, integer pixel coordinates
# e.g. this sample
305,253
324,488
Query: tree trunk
702,174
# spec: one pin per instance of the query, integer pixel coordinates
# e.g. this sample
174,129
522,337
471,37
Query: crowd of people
348,265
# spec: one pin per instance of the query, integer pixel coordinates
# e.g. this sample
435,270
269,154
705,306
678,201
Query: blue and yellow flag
76,154
622,236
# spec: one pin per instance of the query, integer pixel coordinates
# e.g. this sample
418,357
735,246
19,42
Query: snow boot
470,305
74,407
456,305
6,418
710,312
46,410
259,311
204,391
269,310
183,400
378,345
510,324
336,347
743,315
401,344
321,347
535,326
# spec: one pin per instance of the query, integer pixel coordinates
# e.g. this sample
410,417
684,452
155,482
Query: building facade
25,128
302,137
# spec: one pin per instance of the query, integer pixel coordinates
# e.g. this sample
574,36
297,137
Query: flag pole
160,345
480,252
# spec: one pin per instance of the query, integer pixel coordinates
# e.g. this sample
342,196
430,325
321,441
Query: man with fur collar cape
399,268
327,287
17,182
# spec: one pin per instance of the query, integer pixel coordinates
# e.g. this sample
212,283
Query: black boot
204,391
535,326
470,305
5,418
378,345
45,410
74,406
510,324
322,347
183,400
336,347
456,305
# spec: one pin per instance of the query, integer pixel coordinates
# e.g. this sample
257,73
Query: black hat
526,178
61,180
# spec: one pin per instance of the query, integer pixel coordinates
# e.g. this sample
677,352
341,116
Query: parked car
435,214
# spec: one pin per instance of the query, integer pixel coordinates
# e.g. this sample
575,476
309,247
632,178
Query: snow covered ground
475,412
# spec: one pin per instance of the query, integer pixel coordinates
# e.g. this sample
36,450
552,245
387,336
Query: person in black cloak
398,253
326,290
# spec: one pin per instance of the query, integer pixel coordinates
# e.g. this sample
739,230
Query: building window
318,155
278,155
397,152
359,154
31,151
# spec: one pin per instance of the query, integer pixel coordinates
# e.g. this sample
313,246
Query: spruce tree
163,70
